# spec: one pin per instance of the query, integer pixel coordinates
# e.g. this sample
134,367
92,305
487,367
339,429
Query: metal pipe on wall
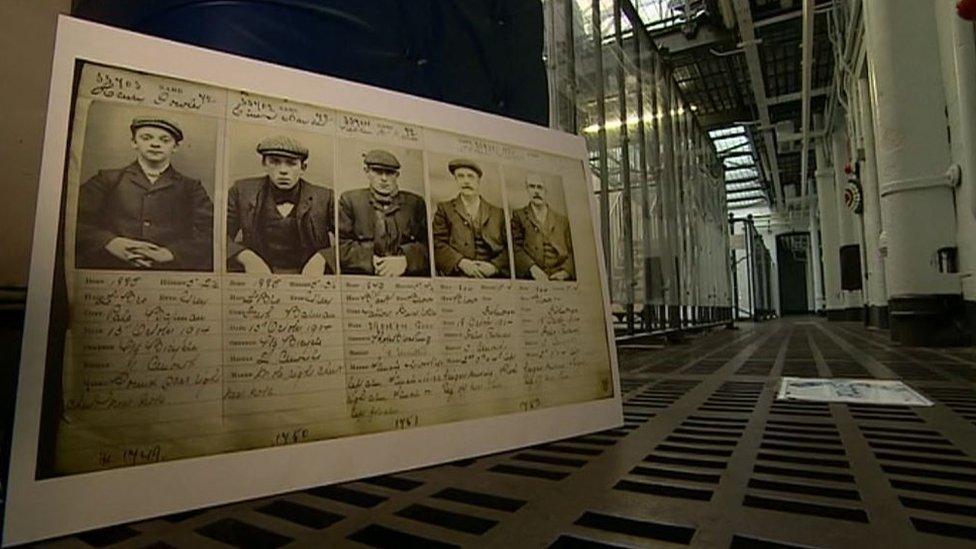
549,21
662,182
701,218
626,211
691,185
647,313
719,252
682,206
689,217
725,248
670,165
708,235
703,235
678,132
601,120
731,292
704,229
806,66
733,268
707,275
570,52
669,184
750,267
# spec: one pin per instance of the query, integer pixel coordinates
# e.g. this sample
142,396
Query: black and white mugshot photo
468,225
146,195
280,202
541,238
382,213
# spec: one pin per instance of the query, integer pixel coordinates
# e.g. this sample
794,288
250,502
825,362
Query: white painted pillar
877,294
816,261
911,145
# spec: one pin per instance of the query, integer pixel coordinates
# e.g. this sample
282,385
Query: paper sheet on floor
861,391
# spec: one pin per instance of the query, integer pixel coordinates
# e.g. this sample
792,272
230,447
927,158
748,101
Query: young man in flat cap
382,228
279,222
469,232
147,215
540,237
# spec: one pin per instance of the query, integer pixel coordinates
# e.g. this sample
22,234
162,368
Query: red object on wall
966,9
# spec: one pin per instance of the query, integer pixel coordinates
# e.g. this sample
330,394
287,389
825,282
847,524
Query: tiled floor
706,458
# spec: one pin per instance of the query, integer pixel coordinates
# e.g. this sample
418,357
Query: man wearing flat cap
279,222
147,215
540,237
382,228
469,232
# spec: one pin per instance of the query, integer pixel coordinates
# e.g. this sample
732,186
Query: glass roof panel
741,168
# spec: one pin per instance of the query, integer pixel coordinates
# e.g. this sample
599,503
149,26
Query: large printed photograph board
248,279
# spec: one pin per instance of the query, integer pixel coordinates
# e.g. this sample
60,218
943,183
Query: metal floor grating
705,458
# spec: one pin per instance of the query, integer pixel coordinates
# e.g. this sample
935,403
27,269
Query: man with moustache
279,222
541,238
147,215
469,232
382,228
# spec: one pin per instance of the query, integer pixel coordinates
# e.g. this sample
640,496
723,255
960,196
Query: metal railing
657,178
751,271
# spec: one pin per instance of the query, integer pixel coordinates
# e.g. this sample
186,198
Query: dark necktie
386,234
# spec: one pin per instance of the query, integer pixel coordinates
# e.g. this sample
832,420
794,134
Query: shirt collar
474,215
150,173
386,204
540,214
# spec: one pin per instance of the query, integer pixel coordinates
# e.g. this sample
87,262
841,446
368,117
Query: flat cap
463,163
282,145
379,157
157,122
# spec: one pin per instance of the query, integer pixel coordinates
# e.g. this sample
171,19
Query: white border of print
37,509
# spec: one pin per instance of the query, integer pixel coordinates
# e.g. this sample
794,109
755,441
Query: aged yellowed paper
284,278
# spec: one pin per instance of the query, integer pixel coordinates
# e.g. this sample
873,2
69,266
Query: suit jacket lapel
305,199
166,179
253,207
530,214
461,210
133,174
302,210
484,212
550,221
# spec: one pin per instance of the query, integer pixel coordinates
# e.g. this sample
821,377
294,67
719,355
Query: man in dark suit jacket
469,233
541,238
383,229
147,215
280,223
